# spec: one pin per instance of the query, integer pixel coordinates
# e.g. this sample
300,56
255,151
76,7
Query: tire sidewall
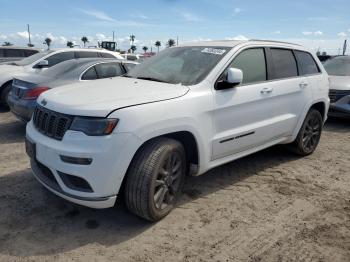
170,148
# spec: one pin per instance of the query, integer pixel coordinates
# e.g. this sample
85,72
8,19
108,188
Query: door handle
303,85
266,90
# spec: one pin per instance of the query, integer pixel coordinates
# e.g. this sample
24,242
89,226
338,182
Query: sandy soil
271,206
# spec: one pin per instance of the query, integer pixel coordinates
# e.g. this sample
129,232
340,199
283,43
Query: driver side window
252,62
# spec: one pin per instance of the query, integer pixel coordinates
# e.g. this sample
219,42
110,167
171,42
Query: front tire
309,134
155,178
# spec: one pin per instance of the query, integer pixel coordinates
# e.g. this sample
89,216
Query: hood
339,82
100,97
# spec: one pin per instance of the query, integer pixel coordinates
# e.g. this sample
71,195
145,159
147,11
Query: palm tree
7,44
70,44
158,44
85,40
132,39
48,42
145,48
133,48
171,42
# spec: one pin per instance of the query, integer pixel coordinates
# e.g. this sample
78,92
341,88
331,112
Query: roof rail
273,41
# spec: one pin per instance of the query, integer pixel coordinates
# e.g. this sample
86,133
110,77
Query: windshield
31,59
180,65
339,66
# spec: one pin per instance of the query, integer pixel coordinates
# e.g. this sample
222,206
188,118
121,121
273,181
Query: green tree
171,42
158,44
7,44
132,39
145,48
133,48
85,40
48,42
70,44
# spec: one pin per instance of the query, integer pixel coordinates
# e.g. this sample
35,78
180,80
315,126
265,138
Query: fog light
76,160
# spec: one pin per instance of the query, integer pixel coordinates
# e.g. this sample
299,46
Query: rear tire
4,95
155,178
309,134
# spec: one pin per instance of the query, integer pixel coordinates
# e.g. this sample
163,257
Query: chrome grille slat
50,123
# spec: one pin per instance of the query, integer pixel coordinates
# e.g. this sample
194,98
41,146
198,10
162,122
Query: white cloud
98,14
318,18
316,33
23,34
3,37
238,37
342,34
237,10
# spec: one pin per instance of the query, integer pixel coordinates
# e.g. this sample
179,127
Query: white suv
184,111
40,61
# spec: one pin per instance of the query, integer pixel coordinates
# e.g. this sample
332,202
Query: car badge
44,102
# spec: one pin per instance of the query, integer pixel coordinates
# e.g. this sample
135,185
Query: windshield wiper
151,79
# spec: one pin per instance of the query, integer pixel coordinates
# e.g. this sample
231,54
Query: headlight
92,126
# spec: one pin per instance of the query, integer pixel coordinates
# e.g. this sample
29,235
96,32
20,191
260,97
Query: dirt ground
271,206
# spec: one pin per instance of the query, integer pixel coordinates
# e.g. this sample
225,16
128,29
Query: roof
18,47
233,43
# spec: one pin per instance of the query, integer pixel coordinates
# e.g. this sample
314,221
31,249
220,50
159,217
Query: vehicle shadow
35,222
338,125
12,132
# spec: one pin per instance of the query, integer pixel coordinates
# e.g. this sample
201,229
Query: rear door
291,90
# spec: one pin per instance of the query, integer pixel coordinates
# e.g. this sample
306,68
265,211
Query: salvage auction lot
271,206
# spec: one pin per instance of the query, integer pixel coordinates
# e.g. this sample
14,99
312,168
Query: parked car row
43,60
182,112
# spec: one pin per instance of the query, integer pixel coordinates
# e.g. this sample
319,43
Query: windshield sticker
214,51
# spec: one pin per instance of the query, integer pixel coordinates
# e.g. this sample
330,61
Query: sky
318,24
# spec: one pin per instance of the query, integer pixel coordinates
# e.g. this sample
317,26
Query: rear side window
107,70
284,63
307,65
87,54
13,53
106,55
60,57
1,52
252,63
90,74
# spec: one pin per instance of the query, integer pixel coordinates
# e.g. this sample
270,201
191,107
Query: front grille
335,95
50,123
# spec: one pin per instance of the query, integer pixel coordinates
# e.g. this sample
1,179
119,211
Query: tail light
35,92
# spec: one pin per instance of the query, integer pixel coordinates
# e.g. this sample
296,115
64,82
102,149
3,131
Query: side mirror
43,63
233,78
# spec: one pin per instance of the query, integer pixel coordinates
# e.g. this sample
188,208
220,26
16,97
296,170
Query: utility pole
177,40
30,42
113,35
344,46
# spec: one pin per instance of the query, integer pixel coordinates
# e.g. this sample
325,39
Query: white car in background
43,60
184,111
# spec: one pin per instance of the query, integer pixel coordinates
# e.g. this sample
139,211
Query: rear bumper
341,108
22,109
